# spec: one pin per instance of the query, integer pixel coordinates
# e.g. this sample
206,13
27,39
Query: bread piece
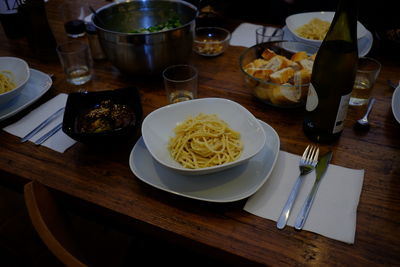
262,74
295,66
262,92
307,64
248,66
286,62
285,95
250,71
260,63
268,54
282,76
302,76
290,63
276,63
299,56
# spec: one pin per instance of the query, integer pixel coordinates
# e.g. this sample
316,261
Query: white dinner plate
396,103
226,186
38,84
364,43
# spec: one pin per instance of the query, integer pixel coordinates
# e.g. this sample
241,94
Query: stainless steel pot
145,53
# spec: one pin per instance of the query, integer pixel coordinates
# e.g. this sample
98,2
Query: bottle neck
344,23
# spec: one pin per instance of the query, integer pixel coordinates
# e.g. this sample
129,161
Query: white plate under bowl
396,103
297,20
158,127
364,44
38,84
226,186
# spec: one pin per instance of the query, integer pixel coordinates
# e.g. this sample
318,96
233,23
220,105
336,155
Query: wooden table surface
103,177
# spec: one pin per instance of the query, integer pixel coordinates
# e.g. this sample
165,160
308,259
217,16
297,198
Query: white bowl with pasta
311,27
160,131
14,75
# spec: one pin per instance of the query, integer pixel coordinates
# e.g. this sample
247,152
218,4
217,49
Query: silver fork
306,165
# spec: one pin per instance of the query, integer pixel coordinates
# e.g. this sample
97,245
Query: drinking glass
76,61
268,34
180,83
367,72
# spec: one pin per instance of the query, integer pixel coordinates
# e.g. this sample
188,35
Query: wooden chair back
50,224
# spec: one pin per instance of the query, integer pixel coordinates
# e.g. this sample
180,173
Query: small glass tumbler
268,34
76,61
180,83
367,73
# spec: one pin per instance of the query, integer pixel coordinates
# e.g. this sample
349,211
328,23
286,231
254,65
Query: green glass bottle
40,36
333,76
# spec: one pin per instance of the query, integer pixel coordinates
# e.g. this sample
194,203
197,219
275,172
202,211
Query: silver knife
42,125
48,134
320,170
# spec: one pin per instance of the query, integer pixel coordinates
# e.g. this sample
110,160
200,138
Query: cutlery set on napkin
334,205
42,125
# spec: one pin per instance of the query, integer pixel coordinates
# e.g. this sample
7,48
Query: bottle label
342,113
312,98
9,6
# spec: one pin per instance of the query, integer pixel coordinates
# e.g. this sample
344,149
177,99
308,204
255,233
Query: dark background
371,14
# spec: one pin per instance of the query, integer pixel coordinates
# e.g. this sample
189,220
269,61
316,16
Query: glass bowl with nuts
211,41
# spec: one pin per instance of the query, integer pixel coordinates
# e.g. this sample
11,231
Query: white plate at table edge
38,84
230,185
362,51
396,103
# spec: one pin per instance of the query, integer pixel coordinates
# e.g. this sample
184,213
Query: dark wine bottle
333,77
40,36
10,18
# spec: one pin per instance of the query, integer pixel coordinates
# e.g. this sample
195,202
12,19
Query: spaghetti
204,141
7,82
315,29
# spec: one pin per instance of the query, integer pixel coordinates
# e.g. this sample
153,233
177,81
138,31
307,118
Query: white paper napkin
59,141
244,35
334,211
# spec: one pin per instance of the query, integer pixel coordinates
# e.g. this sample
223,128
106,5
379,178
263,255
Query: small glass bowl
211,41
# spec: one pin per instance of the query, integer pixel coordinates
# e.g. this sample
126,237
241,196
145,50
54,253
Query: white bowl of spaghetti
202,136
311,27
14,74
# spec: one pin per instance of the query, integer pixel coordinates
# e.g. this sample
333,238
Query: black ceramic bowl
110,116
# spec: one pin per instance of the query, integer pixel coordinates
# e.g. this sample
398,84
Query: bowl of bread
278,73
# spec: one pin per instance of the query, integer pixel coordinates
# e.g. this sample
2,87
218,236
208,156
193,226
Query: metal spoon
364,120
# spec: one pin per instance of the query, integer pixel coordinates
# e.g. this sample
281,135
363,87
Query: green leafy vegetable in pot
171,23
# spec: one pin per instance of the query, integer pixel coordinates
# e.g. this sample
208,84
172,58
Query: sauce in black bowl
103,116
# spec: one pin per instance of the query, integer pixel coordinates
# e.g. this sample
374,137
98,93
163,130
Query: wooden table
103,177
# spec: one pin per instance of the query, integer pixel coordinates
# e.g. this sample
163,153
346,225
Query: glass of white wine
367,73
180,83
